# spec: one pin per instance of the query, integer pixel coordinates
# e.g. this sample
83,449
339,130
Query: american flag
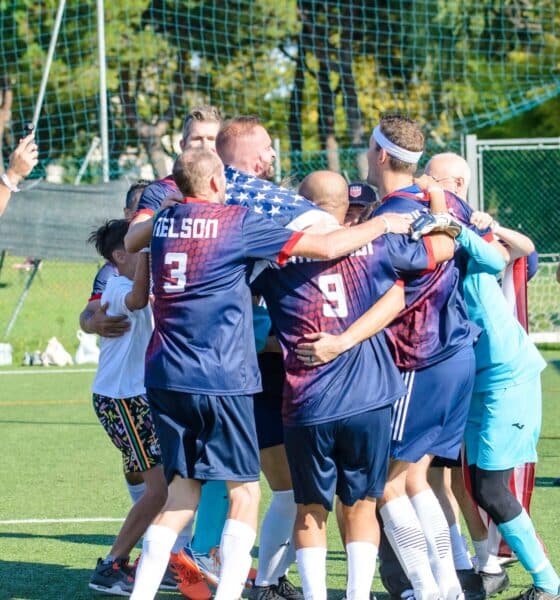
282,205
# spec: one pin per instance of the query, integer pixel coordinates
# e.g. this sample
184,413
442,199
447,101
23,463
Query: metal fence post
474,194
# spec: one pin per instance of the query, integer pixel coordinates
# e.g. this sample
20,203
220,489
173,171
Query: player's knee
312,516
491,492
244,496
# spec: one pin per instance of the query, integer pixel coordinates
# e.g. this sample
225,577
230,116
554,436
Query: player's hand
428,223
102,324
320,348
170,201
398,222
481,220
23,159
425,181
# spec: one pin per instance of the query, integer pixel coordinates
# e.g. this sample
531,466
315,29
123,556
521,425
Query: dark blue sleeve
532,264
100,281
263,239
154,195
463,212
383,274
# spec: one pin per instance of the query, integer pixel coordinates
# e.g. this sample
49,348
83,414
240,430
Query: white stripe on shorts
400,409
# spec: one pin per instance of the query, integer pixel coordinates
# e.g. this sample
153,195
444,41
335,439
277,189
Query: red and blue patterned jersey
280,204
155,193
100,281
308,296
201,255
434,325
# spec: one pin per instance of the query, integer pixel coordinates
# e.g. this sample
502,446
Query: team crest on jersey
355,191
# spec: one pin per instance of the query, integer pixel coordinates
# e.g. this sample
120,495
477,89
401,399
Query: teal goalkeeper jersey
505,355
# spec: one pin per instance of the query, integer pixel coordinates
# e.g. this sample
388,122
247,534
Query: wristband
387,225
11,186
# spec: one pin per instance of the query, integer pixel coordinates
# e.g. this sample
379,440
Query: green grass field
57,464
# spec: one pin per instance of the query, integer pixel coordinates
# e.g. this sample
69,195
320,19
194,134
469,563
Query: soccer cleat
494,583
209,565
535,593
113,578
265,592
168,582
471,584
285,589
190,581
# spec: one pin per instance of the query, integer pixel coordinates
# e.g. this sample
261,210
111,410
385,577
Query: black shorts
206,437
349,457
268,403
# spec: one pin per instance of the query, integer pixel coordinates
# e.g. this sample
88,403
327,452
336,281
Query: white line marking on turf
46,371
78,520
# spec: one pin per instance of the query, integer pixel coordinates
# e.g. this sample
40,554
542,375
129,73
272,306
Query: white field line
46,521
45,371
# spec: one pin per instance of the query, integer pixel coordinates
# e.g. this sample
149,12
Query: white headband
407,156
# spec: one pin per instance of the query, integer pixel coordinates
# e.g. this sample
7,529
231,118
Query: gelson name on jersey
186,228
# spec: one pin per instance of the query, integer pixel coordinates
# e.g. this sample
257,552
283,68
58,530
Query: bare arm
517,243
94,319
324,347
22,161
138,296
345,240
139,233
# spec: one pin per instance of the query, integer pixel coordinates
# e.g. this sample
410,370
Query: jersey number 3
332,288
178,271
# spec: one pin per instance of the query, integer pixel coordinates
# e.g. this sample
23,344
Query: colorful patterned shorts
129,424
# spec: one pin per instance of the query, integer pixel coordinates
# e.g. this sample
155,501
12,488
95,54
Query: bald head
328,190
199,173
452,171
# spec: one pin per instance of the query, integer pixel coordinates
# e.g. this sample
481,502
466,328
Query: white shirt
120,373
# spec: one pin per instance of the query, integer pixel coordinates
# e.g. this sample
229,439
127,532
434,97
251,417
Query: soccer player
22,161
120,403
201,368
362,199
503,426
429,340
336,417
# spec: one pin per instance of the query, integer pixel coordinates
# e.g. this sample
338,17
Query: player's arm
344,241
323,347
518,244
94,319
138,296
139,235
22,161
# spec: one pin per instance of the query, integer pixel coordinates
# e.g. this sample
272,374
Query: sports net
319,73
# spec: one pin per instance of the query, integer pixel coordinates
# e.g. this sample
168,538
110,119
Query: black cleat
264,592
471,584
113,578
495,583
287,590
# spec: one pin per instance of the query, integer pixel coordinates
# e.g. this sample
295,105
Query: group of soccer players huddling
348,348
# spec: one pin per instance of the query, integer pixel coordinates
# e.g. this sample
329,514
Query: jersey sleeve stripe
94,297
430,251
286,251
145,211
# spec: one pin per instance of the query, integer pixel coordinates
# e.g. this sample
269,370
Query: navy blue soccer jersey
308,296
434,325
155,193
100,282
201,255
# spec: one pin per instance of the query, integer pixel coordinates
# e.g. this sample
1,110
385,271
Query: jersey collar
412,191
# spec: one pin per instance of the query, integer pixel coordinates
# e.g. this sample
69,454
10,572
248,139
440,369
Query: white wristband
11,186
387,225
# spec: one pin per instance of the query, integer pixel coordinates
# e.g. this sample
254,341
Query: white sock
158,541
361,557
435,527
460,550
486,562
404,532
276,538
184,538
312,567
235,555
136,491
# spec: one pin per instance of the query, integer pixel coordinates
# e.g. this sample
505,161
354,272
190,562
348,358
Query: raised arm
324,347
345,240
22,161
139,235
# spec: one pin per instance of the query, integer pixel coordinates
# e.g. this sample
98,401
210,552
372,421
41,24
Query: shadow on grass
547,481
46,581
57,423
93,538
